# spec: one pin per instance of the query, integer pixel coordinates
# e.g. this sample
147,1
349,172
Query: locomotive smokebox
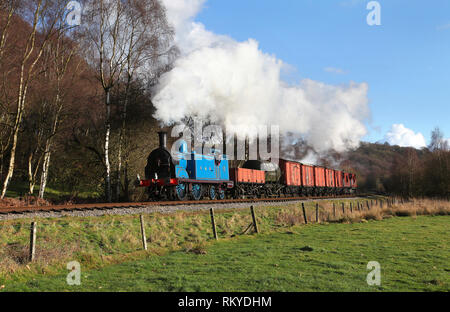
162,139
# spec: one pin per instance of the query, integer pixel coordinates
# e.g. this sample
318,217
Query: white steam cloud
235,83
402,136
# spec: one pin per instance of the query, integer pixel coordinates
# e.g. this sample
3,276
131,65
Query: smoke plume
235,83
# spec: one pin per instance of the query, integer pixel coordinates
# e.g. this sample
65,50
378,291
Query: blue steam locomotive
186,174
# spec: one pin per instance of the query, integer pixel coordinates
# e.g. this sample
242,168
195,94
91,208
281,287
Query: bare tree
102,26
63,58
438,143
123,38
8,9
150,48
43,20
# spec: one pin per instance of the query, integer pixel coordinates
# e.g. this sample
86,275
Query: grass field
413,253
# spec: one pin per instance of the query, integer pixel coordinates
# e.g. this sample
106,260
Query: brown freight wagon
338,181
319,177
241,175
346,180
307,176
329,178
349,182
291,177
308,183
247,182
353,182
290,173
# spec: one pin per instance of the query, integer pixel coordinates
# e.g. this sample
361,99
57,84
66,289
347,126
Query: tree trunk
107,163
31,178
12,161
119,167
15,135
126,183
44,174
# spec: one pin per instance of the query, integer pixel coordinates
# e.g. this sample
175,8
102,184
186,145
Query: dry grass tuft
24,202
198,248
410,209
289,218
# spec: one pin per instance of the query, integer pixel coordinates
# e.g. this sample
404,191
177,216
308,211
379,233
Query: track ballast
110,206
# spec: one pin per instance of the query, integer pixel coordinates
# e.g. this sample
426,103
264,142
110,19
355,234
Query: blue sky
405,61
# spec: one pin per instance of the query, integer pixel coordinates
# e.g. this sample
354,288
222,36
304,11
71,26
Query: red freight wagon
307,176
329,175
241,175
338,176
347,180
319,177
353,181
290,173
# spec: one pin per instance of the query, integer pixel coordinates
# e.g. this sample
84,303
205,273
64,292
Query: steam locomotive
189,175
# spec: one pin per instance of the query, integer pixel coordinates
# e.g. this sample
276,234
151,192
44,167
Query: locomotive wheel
212,192
221,194
181,192
197,191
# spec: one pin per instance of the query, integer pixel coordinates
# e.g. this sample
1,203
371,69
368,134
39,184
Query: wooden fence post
343,208
213,222
334,210
304,214
144,238
368,205
317,213
351,208
32,241
255,224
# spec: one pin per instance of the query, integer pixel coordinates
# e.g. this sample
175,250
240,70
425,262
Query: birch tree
65,67
102,25
8,9
43,22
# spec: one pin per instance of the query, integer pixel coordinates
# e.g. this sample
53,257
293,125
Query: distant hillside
374,163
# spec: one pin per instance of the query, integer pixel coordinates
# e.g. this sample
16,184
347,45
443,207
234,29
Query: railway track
108,206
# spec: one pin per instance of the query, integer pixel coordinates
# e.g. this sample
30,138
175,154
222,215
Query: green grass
99,241
413,253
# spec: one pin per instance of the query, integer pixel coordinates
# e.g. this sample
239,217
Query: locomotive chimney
162,139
